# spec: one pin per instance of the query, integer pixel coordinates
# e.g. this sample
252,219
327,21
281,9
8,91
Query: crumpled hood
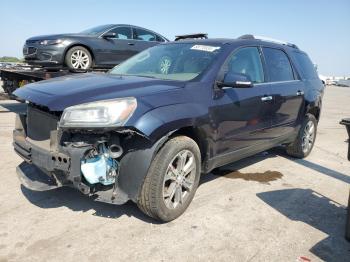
61,92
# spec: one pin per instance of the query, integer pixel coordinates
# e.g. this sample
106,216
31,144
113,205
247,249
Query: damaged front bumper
54,158
45,170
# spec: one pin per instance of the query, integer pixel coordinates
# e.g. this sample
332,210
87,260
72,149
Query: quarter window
278,65
122,32
306,66
246,61
144,35
159,38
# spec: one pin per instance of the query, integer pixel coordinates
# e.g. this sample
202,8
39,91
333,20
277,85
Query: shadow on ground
75,201
316,167
318,211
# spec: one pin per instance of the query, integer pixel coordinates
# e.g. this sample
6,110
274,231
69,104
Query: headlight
106,113
51,42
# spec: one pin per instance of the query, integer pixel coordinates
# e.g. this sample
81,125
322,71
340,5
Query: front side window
246,61
180,61
278,65
122,32
144,35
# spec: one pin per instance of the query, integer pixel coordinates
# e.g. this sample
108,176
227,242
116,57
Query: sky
319,27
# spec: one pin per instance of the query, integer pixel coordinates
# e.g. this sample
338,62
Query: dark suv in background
102,46
146,130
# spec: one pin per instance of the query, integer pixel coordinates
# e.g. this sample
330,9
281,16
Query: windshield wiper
146,76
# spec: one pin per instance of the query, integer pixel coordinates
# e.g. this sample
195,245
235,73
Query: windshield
96,30
181,61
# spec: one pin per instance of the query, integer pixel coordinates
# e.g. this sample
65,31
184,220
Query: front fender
77,43
162,120
156,126
134,168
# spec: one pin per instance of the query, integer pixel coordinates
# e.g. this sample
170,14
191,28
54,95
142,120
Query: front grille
29,50
40,124
32,41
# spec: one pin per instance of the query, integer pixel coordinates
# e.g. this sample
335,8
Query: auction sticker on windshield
206,48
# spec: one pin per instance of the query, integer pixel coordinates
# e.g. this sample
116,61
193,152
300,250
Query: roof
234,41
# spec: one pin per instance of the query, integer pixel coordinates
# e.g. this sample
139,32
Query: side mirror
109,35
235,80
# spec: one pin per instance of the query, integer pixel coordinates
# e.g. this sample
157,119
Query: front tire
78,58
172,179
305,140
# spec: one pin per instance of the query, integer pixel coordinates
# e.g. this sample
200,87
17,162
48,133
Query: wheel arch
135,164
313,99
196,135
82,45
314,109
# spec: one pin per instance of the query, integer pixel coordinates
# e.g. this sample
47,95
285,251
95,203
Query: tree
9,59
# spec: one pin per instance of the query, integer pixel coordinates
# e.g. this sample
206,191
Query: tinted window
144,35
278,65
305,65
122,32
159,38
247,61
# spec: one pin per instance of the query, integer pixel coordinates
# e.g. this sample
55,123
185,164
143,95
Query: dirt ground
265,208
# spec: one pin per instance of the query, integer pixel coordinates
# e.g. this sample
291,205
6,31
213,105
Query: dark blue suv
146,130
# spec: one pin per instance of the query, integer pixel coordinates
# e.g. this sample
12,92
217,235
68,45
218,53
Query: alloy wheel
80,59
308,137
179,179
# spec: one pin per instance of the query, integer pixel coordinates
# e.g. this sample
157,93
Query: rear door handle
266,98
300,93
131,44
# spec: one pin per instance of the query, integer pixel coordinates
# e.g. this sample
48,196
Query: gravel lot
265,208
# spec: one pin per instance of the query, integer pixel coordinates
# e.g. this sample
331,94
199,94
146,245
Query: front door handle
266,98
300,93
131,44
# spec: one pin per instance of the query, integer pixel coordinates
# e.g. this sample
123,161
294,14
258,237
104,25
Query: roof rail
191,36
267,39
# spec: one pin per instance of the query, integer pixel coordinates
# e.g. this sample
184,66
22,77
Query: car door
287,89
243,115
114,50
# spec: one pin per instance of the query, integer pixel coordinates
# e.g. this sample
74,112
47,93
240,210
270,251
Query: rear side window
246,61
122,32
278,65
144,35
305,65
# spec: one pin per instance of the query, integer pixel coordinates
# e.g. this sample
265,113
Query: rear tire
78,58
303,144
167,190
